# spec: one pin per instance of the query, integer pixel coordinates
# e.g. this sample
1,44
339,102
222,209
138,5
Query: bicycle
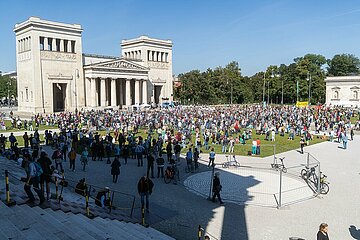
279,166
324,185
229,163
308,172
171,172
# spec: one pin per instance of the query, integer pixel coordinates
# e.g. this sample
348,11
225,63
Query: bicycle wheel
324,188
303,173
224,165
167,178
284,170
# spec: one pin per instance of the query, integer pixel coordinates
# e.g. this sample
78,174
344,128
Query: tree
7,86
343,65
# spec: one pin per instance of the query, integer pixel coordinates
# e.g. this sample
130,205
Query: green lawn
281,144
10,129
353,120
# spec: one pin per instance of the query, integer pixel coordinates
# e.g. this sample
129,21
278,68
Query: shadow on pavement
354,232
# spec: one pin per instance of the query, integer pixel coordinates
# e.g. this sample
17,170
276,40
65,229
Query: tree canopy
224,85
7,84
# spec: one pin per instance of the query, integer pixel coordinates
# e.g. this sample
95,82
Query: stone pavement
177,211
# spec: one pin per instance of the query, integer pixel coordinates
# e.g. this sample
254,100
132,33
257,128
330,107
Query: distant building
11,74
343,90
54,74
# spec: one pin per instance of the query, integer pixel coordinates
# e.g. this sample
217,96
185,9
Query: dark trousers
35,183
115,178
211,162
216,194
140,159
144,197
72,164
150,167
57,166
160,170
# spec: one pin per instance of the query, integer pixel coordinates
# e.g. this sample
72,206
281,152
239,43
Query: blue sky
206,34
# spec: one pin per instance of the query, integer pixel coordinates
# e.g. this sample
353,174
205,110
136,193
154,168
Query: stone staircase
21,222
64,221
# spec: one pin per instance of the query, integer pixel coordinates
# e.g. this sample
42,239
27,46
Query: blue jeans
344,144
144,195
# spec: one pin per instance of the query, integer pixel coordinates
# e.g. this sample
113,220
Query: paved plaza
250,211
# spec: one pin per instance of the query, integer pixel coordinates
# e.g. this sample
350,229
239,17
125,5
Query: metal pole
7,186
268,93
309,88
297,90
263,99
282,91
280,189
318,183
308,159
199,232
231,97
211,180
9,84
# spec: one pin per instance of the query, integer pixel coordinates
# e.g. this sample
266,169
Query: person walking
145,187
322,234
217,188
45,178
189,159
160,165
345,140
72,158
115,169
26,140
139,150
196,158
32,179
211,157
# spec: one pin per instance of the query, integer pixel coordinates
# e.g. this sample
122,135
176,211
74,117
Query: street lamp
231,91
309,79
263,99
9,84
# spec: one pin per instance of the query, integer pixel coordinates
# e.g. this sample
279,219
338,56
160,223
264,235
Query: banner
302,104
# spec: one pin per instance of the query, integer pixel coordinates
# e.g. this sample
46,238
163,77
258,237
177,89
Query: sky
205,33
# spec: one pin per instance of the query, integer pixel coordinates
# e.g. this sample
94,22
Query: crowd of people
159,136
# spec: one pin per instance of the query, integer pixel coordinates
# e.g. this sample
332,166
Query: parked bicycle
230,162
309,175
279,166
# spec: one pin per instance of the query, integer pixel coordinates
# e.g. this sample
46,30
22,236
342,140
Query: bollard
9,202
199,232
87,204
110,200
56,188
143,216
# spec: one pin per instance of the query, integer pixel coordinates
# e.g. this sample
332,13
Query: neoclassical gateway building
343,91
54,75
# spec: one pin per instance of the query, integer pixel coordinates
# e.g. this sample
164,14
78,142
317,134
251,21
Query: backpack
38,169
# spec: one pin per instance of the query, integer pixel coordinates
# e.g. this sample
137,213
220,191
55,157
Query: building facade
343,91
54,75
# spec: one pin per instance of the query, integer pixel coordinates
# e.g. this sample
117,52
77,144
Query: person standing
150,165
196,158
26,140
258,146
217,188
145,187
84,158
345,140
169,151
57,157
177,150
352,134
160,165
211,157
302,144
72,158
323,232
115,169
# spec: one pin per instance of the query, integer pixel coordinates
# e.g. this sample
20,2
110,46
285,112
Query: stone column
144,92
68,46
61,45
46,44
128,93
92,95
113,92
102,92
137,91
121,93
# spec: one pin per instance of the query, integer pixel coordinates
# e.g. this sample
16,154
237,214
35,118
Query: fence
63,189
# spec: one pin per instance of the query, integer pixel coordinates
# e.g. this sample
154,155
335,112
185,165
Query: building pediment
335,88
355,88
118,64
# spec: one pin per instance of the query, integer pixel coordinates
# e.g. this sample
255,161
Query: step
89,227
127,227
152,233
113,231
7,228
